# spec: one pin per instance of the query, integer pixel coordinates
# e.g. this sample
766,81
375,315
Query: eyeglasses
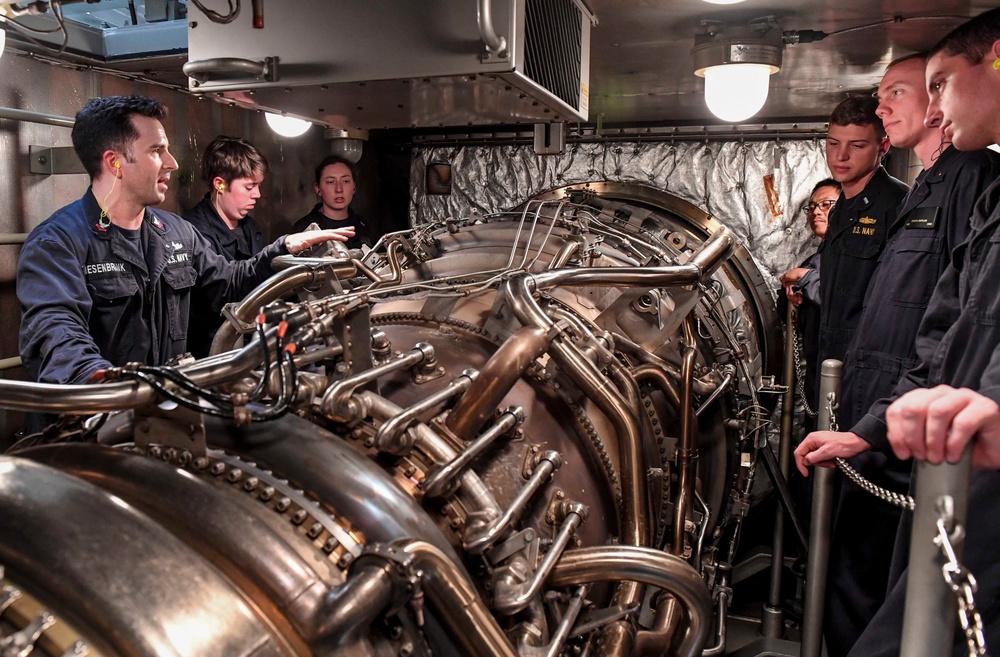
825,206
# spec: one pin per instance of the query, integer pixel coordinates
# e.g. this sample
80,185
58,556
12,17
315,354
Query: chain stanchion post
821,527
931,609
772,618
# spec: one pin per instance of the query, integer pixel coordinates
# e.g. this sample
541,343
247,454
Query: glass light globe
286,126
349,149
735,92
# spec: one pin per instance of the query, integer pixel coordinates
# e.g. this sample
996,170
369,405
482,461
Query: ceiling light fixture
3,40
724,2
737,62
286,126
348,144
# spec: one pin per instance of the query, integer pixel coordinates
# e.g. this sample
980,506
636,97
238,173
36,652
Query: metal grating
553,47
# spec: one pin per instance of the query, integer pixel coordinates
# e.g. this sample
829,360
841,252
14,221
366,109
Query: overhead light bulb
735,92
348,144
737,62
287,126
724,2
3,40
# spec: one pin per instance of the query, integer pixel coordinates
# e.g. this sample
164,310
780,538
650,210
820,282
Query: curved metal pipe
295,272
391,436
203,70
566,251
512,599
336,400
667,275
395,267
270,290
687,452
484,15
618,636
702,387
479,541
714,251
93,398
438,479
721,617
674,575
698,269
451,593
727,379
504,368
350,609
343,268
648,373
473,492
597,388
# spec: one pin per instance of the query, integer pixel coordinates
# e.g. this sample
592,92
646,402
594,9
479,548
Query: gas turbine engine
525,434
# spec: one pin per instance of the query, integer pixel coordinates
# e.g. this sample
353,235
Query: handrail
495,43
202,70
36,117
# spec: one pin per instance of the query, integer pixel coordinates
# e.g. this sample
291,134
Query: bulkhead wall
756,188
26,198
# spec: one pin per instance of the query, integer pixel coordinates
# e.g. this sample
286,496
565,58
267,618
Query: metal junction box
399,63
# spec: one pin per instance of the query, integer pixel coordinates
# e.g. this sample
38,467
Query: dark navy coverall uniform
240,243
958,344
90,300
325,223
856,232
808,325
932,220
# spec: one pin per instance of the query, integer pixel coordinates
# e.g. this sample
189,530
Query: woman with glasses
801,284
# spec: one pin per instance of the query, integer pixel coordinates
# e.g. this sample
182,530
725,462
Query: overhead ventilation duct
401,64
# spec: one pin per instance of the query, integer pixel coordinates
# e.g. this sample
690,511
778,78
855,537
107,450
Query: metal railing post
772,618
931,608
821,528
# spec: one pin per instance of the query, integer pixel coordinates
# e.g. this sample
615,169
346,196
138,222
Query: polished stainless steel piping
336,402
472,491
270,290
624,562
504,368
391,436
687,451
478,541
439,479
512,599
460,606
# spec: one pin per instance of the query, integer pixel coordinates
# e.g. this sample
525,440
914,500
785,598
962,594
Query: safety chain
800,374
884,494
958,578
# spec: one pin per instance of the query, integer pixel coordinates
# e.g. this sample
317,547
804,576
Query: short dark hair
106,124
826,182
858,110
335,159
922,56
230,158
972,39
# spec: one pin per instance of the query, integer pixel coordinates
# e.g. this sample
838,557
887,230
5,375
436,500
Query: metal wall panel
27,199
726,179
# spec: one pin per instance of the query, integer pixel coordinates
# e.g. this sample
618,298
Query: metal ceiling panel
393,63
640,68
